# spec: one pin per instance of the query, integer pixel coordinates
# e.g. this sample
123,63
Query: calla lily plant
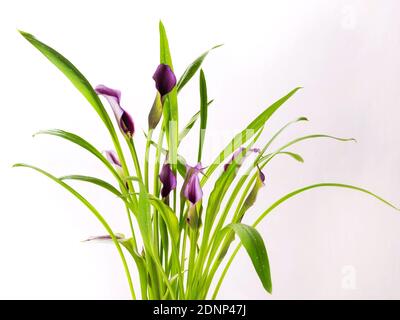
179,237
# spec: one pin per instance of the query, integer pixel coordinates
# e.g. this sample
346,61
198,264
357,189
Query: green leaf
165,55
140,263
144,217
254,245
95,181
191,123
73,74
192,69
93,210
170,109
246,134
203,113
319,185
85,145
168,216
293,155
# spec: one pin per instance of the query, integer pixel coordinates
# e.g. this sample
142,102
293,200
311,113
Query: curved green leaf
168,216
93,210
246,134
254,245
95,181
192,69
85,145
73,74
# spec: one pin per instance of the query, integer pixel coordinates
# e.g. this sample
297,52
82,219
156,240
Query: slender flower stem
147,158
135,159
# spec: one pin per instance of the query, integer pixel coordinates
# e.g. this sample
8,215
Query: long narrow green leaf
246,134
191,123
254,245
73,74
84,144
168,216
192,69
282,200
140,263
93,210
94,180
319,185
203,113
171,103
144,216
165,55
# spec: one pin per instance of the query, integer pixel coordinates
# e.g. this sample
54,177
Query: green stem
135,159
147,158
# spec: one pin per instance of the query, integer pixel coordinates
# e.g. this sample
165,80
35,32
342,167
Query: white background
326,243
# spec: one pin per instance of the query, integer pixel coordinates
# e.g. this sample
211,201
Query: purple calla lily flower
125,121
168,179
236,154
165,79
191,188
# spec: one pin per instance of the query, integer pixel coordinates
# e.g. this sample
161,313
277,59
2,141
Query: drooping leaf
254,245
319,185
94,211
84,144
192,68
94,180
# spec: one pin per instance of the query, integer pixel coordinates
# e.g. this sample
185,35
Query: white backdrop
326,243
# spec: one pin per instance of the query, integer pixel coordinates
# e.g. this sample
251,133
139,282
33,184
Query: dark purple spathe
165,79
191,187
168,179
125,121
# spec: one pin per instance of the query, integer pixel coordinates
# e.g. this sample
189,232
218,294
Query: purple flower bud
113,158
165,79
125,121
236,154
191,188
168,179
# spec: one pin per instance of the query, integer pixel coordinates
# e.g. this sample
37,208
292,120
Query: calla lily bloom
191,188
236,154
168,179
125,121
165,79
